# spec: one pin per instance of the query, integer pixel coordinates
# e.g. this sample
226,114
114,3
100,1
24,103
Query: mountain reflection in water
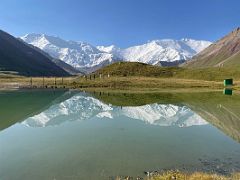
83,107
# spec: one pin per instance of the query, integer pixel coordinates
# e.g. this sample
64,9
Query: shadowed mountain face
71,70
223,53
19,57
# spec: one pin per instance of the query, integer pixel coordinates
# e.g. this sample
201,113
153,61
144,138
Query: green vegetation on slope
210,74
126,69
233,61
137,69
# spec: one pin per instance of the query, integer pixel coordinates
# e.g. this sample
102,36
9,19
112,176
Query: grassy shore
132,83
170,175
176,175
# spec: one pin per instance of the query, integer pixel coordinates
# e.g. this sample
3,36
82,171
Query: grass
131,83
125,69
177,175
209,74
13,81
137,69
120,83
141,83
171,175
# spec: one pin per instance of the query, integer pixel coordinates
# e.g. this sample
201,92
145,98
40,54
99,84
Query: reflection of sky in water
81,107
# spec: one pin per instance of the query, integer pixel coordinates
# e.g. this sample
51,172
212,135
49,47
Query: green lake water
78,135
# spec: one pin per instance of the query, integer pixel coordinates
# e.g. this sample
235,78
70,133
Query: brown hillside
219,53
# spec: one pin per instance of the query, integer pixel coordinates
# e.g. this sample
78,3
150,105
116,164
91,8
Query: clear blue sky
121,22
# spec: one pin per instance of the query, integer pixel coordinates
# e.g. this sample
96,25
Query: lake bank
131,83
169,175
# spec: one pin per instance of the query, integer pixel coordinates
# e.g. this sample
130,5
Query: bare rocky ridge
221,53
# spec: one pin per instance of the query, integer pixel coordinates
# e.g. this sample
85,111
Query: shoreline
114,90
180,175
131,83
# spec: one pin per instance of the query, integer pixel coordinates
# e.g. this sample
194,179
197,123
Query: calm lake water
77,135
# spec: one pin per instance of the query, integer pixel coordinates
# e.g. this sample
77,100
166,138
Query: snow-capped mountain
84,55
116,51
157,51
166,50
81,107
76,54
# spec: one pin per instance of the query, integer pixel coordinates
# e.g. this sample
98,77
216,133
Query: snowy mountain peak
108,49
43,39
167,50
77,54
84,55
196,45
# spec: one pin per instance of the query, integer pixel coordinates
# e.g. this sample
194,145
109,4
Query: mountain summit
83,55
76,54
166,50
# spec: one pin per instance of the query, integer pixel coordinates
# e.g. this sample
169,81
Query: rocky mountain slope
223,53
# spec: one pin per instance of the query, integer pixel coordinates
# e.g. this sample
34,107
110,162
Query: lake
100,135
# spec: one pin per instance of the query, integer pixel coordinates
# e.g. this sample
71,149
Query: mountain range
43,55
84,56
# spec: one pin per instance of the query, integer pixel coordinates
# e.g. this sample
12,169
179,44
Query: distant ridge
19,57
223,53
